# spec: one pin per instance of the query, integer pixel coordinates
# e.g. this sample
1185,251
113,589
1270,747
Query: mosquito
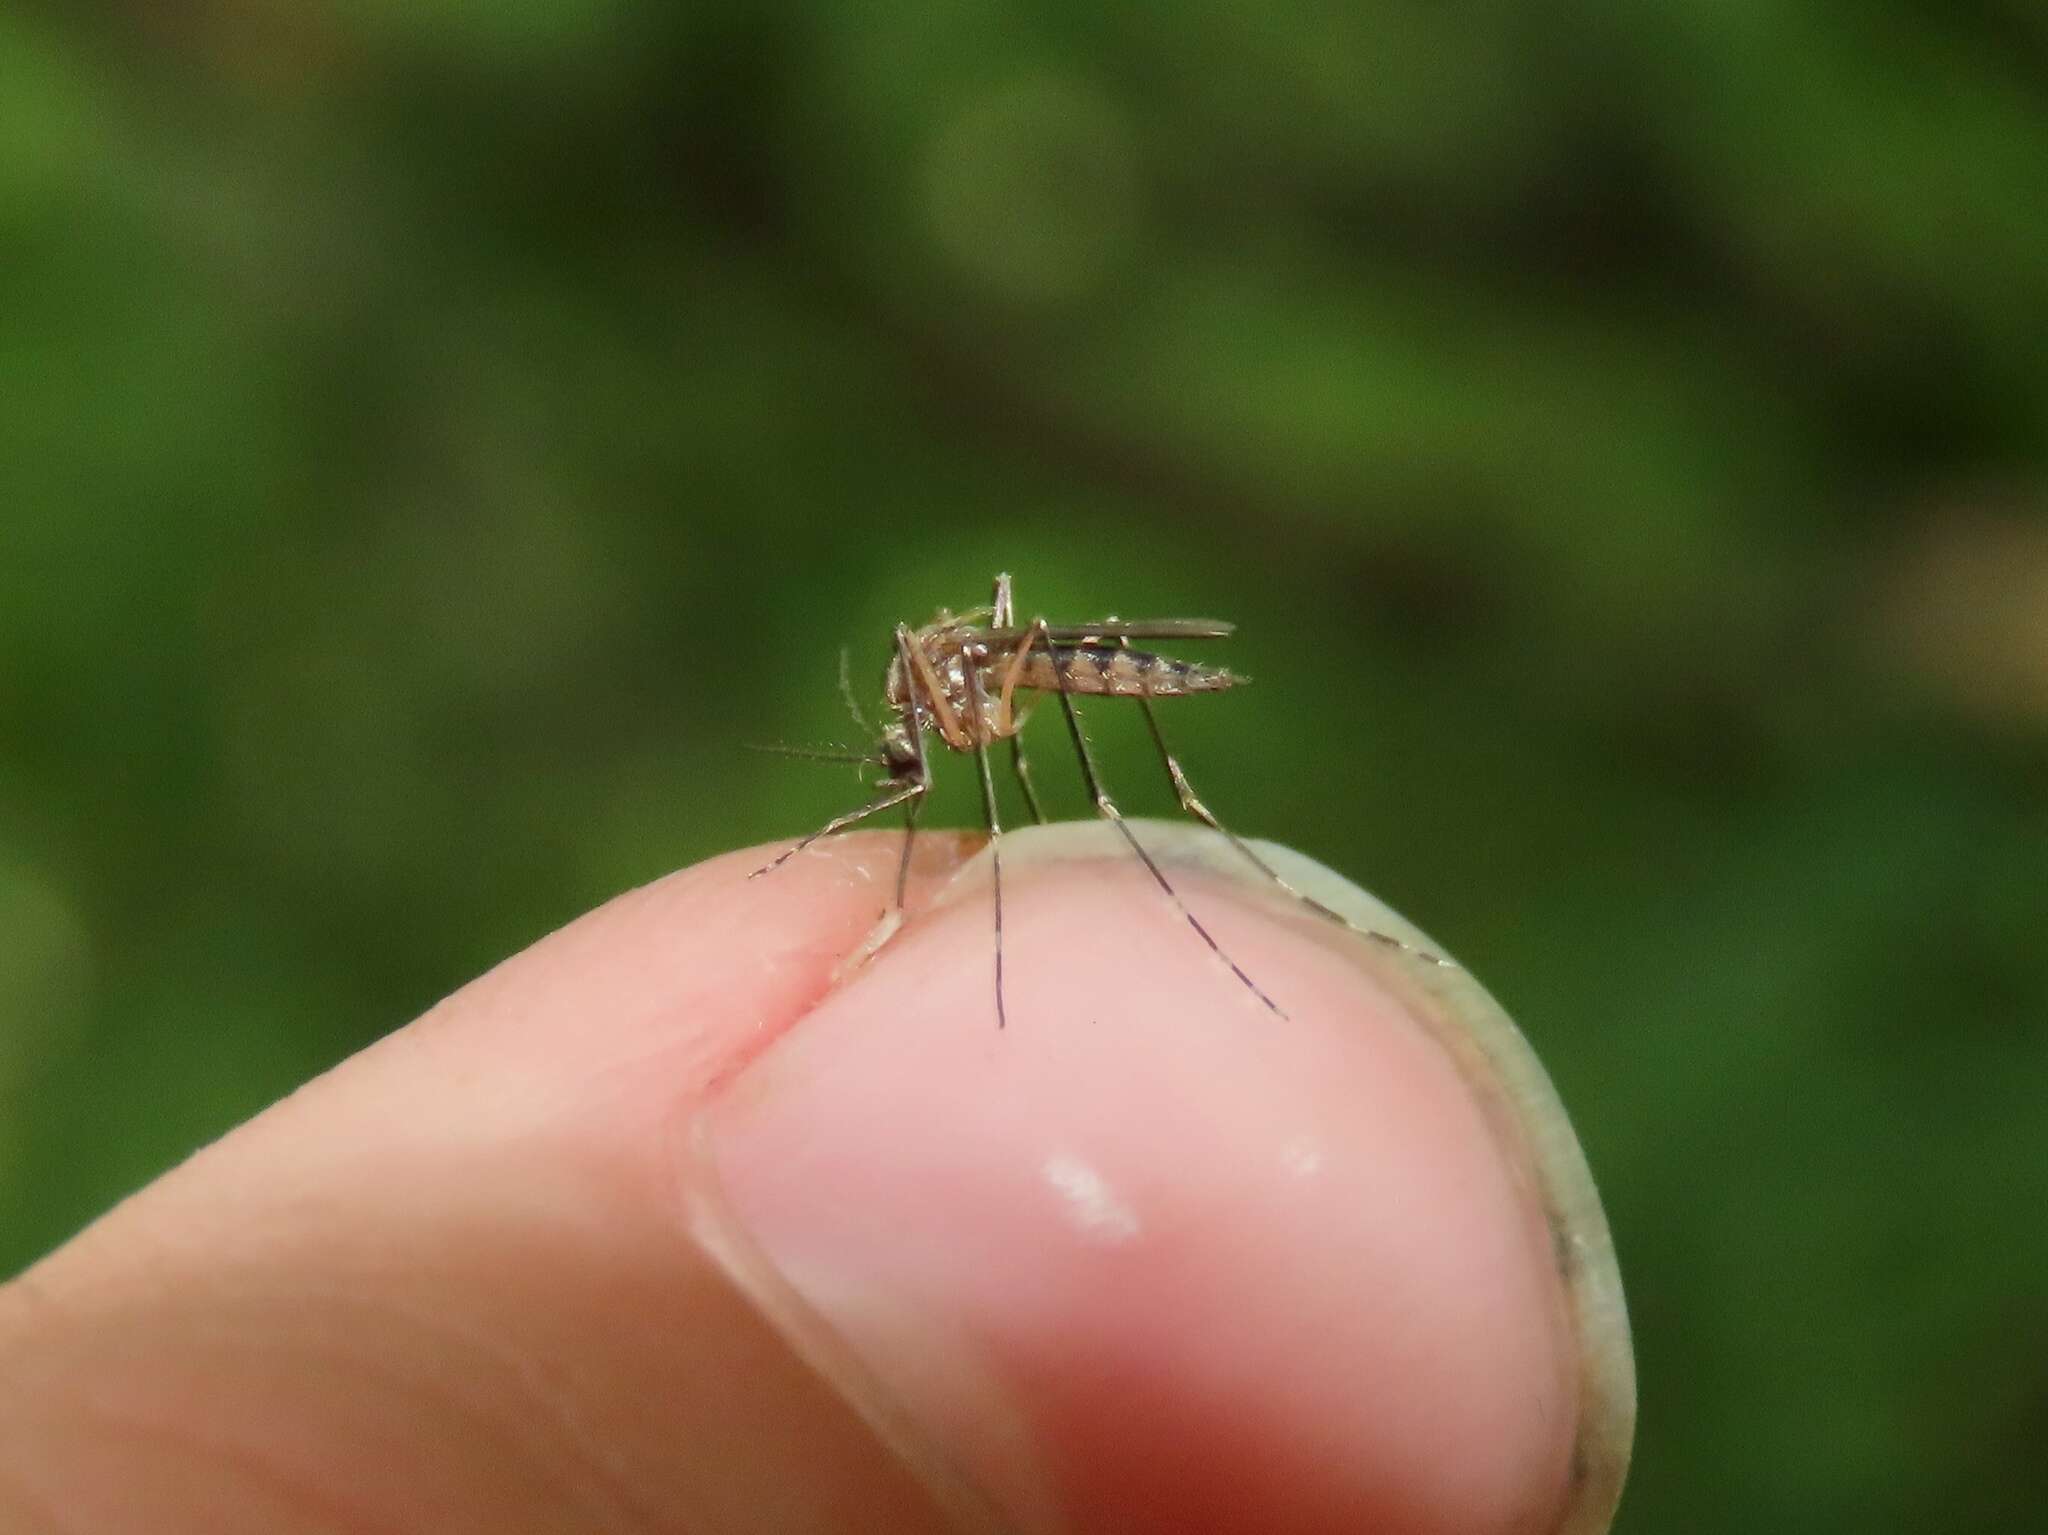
958,678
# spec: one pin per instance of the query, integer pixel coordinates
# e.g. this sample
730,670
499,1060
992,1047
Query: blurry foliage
434,436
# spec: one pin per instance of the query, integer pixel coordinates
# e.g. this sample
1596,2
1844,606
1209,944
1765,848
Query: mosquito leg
924,771
1106,808
1014,670
1192,804
909,844
1003,615
1022,769
894,793
995,829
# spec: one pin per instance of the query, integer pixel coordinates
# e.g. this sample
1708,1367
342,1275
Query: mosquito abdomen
1110,669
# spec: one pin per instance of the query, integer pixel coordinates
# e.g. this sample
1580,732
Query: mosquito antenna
812,753
846,690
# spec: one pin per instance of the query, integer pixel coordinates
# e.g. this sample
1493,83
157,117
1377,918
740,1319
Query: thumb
661,1227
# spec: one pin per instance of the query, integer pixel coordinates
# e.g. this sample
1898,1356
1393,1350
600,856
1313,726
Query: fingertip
1161,1259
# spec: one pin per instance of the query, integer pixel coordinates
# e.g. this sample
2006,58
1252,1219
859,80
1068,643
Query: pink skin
1231,1271
1150,1259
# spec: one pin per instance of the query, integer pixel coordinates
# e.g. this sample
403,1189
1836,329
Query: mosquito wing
1121,628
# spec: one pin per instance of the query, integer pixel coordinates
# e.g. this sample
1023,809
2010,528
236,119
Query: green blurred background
433,437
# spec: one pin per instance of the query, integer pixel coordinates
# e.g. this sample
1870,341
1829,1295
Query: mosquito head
899,751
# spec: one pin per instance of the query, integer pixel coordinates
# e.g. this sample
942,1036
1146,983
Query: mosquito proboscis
957,679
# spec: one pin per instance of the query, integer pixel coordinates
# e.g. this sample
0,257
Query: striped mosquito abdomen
1119,672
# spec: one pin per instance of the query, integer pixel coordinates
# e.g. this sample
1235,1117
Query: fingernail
1153,1258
